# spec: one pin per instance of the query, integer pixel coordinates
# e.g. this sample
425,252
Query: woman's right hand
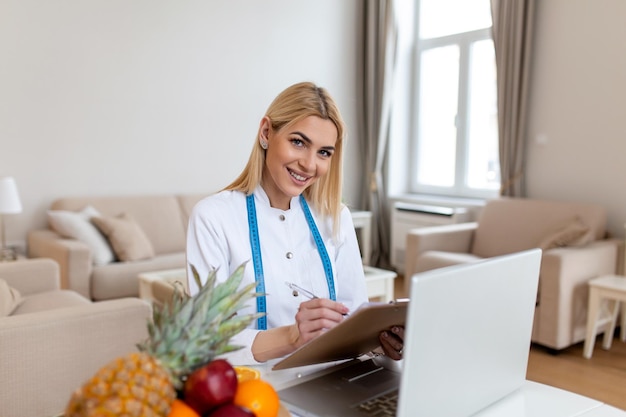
313,317
317,315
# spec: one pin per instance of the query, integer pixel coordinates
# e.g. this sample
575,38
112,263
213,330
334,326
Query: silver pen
298,289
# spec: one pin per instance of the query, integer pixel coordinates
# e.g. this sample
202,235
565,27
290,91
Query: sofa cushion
128,240
10,299
120,279
572,233
77,225
50,300
159,216
508,225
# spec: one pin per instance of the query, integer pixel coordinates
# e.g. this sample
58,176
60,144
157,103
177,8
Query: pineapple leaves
190,331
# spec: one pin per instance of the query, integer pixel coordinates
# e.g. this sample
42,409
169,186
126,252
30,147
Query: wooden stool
609,290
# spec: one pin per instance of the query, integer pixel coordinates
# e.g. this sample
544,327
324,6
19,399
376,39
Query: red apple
230,410
212,385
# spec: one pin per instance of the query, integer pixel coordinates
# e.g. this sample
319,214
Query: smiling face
297,155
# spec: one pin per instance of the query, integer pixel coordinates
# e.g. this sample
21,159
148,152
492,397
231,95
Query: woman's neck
277,199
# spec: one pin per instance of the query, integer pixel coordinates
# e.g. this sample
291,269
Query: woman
288,198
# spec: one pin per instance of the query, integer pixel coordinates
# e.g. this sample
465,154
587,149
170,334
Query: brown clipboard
353,337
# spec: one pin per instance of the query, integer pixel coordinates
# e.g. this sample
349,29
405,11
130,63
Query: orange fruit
180,409
259,397
245,373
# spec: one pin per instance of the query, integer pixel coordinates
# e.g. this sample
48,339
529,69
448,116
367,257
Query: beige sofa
55,339
572,236
159,223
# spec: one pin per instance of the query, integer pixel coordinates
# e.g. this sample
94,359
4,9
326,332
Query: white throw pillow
77,225
10,299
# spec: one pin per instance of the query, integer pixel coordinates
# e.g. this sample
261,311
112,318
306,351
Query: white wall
107,97
157,96
576,149
578,105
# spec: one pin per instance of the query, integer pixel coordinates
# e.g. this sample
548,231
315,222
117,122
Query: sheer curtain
512,36
380,37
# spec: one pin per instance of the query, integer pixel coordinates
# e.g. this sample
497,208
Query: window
455,134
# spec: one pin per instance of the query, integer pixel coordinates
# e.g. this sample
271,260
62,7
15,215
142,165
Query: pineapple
183,336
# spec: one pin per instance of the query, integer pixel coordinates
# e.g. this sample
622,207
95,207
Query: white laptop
467,341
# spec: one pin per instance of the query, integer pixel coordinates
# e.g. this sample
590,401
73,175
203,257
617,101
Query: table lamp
9,204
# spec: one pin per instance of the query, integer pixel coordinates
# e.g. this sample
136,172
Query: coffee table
380,282
147,280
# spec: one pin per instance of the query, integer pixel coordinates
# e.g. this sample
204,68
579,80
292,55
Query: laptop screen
468,334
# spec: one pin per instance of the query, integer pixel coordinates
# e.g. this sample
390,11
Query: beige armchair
56,339
572,236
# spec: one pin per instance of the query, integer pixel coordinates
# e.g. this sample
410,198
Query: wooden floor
603,377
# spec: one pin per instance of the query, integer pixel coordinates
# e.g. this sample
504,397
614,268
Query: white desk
539,400
604,411
531,400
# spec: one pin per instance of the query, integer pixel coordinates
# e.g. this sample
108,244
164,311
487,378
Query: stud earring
263,144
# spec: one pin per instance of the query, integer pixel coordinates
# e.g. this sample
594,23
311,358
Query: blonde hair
293,104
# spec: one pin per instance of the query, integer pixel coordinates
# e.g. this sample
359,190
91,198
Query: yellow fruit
184,335
133,385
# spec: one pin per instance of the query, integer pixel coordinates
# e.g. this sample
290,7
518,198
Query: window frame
464,41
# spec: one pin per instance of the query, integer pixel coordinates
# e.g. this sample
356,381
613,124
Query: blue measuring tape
255,245
321,248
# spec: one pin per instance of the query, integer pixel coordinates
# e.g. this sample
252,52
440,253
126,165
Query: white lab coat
218,237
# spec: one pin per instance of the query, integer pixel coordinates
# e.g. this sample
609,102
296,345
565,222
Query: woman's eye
325,153
297,142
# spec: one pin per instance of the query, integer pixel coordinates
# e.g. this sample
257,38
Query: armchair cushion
128,240
50,300
433,259
572,233
508,225
10,299
77,225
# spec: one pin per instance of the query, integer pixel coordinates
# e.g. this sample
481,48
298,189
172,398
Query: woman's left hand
392,342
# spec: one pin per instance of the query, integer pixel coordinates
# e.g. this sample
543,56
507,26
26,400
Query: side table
379,283
363,223
609,291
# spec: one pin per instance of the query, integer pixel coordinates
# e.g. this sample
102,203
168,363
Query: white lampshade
9,198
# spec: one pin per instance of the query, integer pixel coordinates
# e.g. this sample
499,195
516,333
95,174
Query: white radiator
407,216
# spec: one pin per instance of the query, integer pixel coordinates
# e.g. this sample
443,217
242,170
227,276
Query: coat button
282,217
289,255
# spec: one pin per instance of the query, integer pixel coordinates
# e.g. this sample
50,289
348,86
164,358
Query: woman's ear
264,129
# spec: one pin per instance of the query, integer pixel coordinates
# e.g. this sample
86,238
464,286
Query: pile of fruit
220,390
176,371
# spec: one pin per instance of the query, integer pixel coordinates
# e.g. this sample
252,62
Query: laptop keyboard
383,405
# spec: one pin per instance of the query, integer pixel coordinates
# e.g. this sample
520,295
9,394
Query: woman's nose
308,161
